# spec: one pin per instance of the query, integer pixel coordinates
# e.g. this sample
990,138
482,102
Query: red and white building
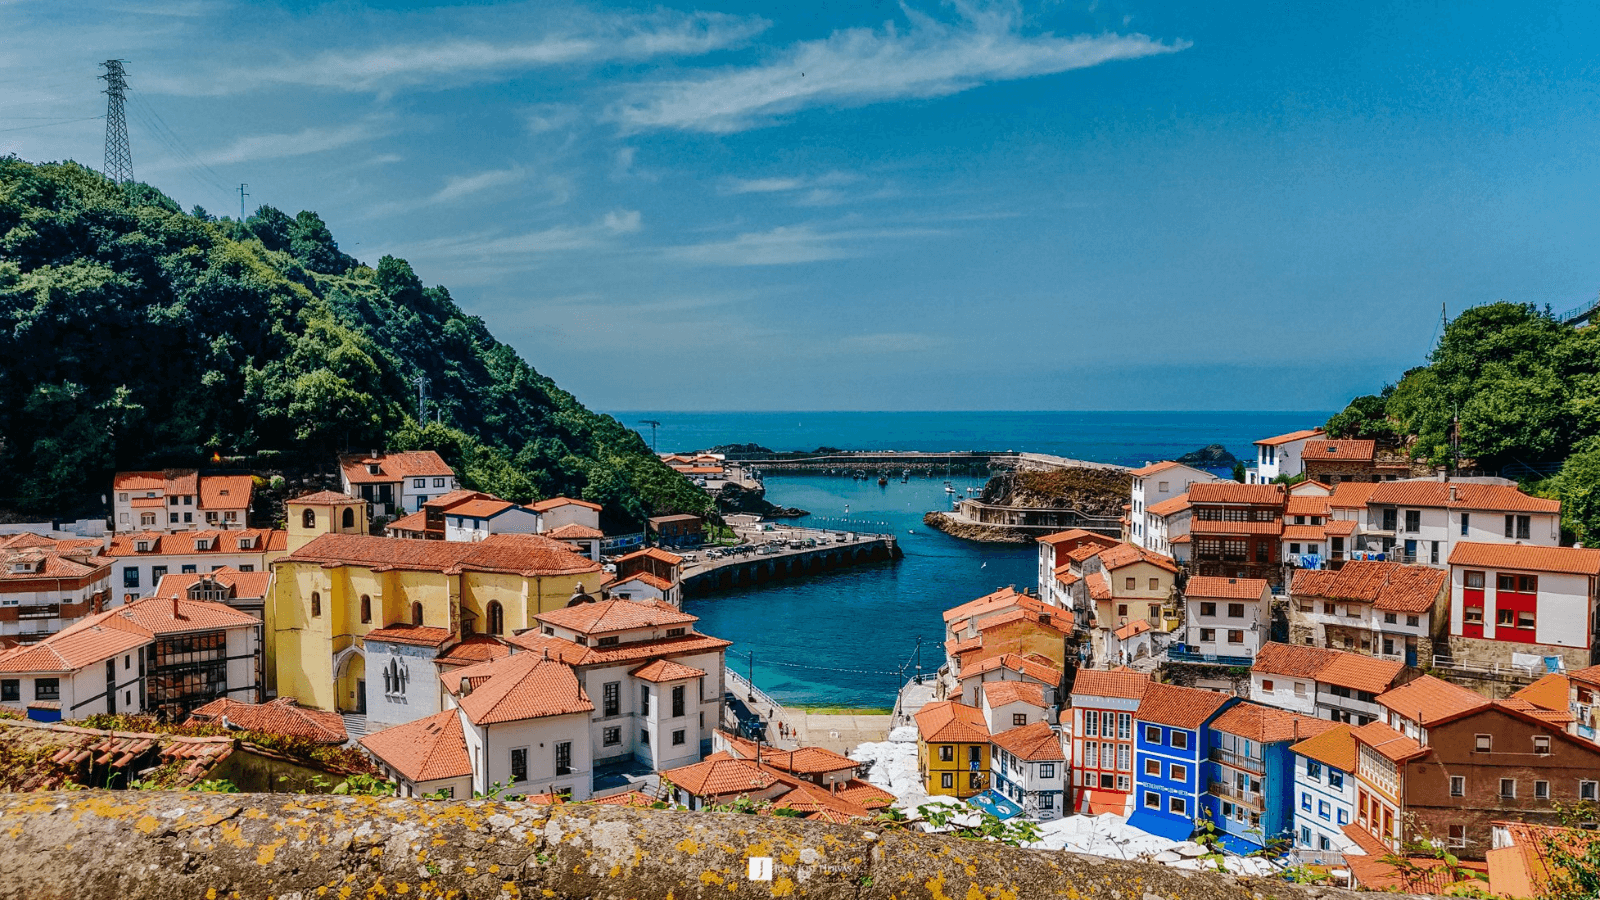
1282,455
48,584
140,560
1521,605
1423,521
396,483
180,500
1055,557
1103,707
1153,484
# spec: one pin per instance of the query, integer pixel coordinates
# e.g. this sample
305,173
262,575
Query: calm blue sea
848,638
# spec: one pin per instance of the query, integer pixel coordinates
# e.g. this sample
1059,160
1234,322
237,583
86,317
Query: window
1464,519
1091,724
1508,789
1506,617
1152,767
1047,770
1483,743
11,689
1122,609
1305,836
1324,810
156,574
190,569
1152,800
308,519
1518,527
1458,836
1129,583
974,754
1335,778
947,753
1541,790
1208,635
438,482
677,632
416,613
1047,801
1235,636
419,482
366,609
1294,549
563,757
1472,580
172,518
1125,726
1152,734
947,781
974,780
1313,770
1177,806
1413,621
130,577
644,738
1108,724
1541,744
1344,817
644,699
1525,618
1391,619
47,689
1305,801
677,701
497,618
1472,615
316,604
1433,554
1413,520
1208,609
1266,685
677,738
1019,719
147,519
1180,740
1123,762
1155,584
1178,772
1589,790
1329,609
604,642
1091,754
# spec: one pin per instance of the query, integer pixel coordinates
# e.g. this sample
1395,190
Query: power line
51,124
119,159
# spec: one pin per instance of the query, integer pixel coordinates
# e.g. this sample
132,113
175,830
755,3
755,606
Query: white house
1227,616
1012,704
525,720
1422,521
1167,527
559,511
166,655
48,584
139,560
180,500
1325,796
1055,554
1030,769
1153,484
427,756
396,483
1282,455
1523,605
1328,684
1382,609
478,518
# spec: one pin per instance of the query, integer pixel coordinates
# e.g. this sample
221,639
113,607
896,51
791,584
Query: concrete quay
895,461
820,551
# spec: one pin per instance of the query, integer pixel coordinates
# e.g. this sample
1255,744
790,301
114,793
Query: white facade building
46,585
1282,455
396,483
139,560
1422,521
1029,768
1227,616
1327,684
1325,796
180,500
1521,605
1154,484
476,519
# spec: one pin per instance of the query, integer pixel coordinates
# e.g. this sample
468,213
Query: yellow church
338,583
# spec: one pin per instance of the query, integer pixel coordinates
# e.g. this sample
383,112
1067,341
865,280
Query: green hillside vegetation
1527,389
133,335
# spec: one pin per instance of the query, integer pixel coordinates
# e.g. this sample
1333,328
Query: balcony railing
1252,799
1237,760
39,611
1189,656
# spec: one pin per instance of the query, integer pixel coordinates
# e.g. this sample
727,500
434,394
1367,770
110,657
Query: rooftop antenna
653,426
119,161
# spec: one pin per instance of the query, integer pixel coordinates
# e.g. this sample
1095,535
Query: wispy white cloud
893,342
555,239
460,186
299,143
788,245
859,66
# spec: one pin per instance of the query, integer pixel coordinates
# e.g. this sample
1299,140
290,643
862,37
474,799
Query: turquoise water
847,638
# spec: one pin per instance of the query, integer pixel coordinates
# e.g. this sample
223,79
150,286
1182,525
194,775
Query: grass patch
848,711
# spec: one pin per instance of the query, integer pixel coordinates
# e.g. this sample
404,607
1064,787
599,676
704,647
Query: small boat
911,531
883,480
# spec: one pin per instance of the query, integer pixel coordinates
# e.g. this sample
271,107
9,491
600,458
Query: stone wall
150,845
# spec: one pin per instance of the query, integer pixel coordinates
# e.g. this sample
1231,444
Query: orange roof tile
949,722
1077,534
615,615
394,466
1550,692
480,508
139,481
1460,495
528,555
415,635
865,794
1304,533
575,655
1306,506
1037,742
1217,587
1339,451
554,502
1234,492
1179,707
1203,526
1267,725
1289,438
1429,700
74,650
1155,467
245,585
1123,555
1313,582
1352,494
956,648
1361,673
1001,693
719,775
655,553
147,502
1568,560
1122,683
999,600
1099,587
574,531
1335,747
1168,507
662,671
1393,745
472,650
800,761
1587,675
520,686
226,491
280,716
1050,620
184,543
324,498
1133,629
413,522
1039,671
428,749
644,578
1292,660
1556,717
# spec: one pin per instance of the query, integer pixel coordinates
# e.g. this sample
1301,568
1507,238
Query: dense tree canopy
133,335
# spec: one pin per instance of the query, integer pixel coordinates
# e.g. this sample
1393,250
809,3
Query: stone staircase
354,725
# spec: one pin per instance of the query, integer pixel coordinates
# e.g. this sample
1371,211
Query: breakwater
764,563
890,462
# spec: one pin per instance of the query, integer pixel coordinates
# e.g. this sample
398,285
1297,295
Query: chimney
1452,493
175,607
547,654
466,687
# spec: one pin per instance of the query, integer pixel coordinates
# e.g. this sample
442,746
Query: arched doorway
350,681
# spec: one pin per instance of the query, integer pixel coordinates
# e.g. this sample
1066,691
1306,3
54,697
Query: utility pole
421,382
919,659
119,161
242,195
653,426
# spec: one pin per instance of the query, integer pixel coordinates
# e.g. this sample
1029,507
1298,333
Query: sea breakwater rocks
735,499
158,845
989,534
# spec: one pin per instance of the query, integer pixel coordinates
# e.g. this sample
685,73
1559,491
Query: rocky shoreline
989,534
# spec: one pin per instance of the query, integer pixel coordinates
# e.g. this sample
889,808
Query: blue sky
871,205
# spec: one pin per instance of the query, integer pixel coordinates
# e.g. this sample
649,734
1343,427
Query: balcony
1237,761
1252,799
39,611
1216,659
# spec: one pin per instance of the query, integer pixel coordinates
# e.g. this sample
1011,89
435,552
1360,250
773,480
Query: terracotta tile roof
245,585
445,501
574,531
1181,539
184,543
1177,706
554,502
1133,629
800,761
575,655
1426,875
1304,533
1550,692
636,799
1099,588
1050,620
956,648
1125,684
1001,693
1352,494
1203,526
520,686
1117,557
480,508
280,716
415,635
1429,700
615,615
1393,745
1034,743
1292,660
1523,868
81,648
1266,725
226,491
1299,505
414,522
1155,467
60,559
865,794
325,498
1335,747
157,615
1077,534
662,671
1488,497
182,481
1217,587
428,749
656,553
949,722
394,466
1553,716
999,600
1388,585
1361,673
1364,839
1568,560
139,481
1041,672
147,502
1314,582
1168,507
1342,527
473,650
1085,552
1065,576
720,775
513,554
1290,437
75,750
1340,451
645,578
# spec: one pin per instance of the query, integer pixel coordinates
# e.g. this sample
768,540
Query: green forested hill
1527,391
133,335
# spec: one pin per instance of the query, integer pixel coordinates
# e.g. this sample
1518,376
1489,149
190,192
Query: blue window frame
1324,811
1305,801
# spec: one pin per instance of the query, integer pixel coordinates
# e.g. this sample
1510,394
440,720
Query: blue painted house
1250,792
1169,757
